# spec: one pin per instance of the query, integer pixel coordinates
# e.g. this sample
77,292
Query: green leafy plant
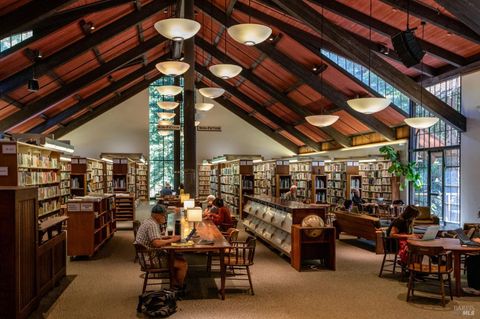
408,171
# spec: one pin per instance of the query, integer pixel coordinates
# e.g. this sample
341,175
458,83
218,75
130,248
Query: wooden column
189,108
176,146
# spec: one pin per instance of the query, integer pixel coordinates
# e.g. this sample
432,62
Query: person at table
472,263
292,194
149,235
209,201
219,214
347,205
402,228
181,189
166,190
356,198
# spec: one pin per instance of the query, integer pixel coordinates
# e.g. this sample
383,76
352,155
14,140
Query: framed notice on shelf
74,160
4,171
73,207
82,161
116,161
86,207
9,149
279,162
209,128
314,163
124,161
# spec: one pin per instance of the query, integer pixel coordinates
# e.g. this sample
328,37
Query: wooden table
453,245
207,231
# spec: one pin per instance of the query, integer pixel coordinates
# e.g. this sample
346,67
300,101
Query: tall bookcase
236,180
203,178
336,173
87,176
65,170
377,182
141,176
301,174
264,178
283,180
123,175
108,177
319,183
215,179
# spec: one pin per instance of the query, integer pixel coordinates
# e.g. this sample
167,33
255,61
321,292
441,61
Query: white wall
123,129
470,149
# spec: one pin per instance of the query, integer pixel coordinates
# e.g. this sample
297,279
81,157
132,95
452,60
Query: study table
206,230
453,245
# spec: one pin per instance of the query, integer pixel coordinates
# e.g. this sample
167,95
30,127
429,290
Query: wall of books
203,180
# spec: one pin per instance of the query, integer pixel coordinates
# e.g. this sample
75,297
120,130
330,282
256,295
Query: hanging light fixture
203,106
167,105
172,68
225,71
164,122
166,115
177,29
322,120
249,33
169,90
211,92
421,122
164,133
197,123
369,105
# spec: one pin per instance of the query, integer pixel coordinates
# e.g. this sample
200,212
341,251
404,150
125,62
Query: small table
207,231
453,245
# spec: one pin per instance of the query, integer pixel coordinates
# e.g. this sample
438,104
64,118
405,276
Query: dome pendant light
166,105
322,120
165,115
169,90
211,92
164,133
204,106
172,68
177,29
249,33
369,105
225,71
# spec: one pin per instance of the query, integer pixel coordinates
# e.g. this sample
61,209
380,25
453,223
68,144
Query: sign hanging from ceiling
171,127
209,128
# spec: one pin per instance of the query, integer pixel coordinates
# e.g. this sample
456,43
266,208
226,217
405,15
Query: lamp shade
211,93
164,122
164,133
177,29
249,33
165,105
197,123
189,203
165,115
194,214
421,122
322,120
225,71
172,68
204,106
369,105
170,90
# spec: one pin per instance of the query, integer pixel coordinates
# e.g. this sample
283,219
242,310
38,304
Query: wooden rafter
356,50
466,11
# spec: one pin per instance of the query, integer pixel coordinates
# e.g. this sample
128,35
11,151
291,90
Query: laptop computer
464,239
430,233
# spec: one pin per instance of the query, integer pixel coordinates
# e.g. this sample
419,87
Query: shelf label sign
321,163
74,160
9,149
124,161
3,171
86,207
73,207
209,128
82,161
314,163
286,162
172,127
116,161
279,163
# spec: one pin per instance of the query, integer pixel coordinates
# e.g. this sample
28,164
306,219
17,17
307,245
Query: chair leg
383,264
145,280
450,286
394,263
442,289
410,283
250,280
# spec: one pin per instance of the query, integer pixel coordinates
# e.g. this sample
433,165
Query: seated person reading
166,190
292,194
402,228
219,214
149,235
356,198
210,199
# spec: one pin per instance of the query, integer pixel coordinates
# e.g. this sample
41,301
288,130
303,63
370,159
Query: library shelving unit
215,179
125,206
141,176
319,182
236,180
354,180
108,177
301,174
95,175
377,182
336,173
123,175
264,178
30,165
65,170
203,178
91,223
86,176
283,180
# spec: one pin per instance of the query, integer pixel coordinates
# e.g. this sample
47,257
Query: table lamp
194,214
189,203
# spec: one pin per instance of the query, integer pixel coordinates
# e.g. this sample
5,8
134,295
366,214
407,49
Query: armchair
426,217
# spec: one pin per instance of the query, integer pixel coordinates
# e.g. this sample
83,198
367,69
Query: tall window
8,42
161,147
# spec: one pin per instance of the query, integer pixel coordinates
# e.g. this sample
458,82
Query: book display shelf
203,179
91,223
123,175
377,183
336,173
283,180
108,177
264,178
87,176
236,181
319,183
301,174
65,171
215,179
125,206
141,176
30,165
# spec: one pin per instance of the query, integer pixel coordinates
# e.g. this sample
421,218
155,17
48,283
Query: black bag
158,304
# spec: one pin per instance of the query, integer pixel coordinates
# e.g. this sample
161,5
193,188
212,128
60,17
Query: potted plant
408,171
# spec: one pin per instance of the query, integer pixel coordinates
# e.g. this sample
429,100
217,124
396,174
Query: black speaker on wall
408,48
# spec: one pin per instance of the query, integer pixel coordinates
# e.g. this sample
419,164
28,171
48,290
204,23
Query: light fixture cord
322,110
249,11
408,15
370,40
225,27
421,67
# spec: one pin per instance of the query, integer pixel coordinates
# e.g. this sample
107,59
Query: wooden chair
154,264
230,235
439,264
239,258
136,225
391,247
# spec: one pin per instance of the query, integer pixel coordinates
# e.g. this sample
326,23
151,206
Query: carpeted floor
108,286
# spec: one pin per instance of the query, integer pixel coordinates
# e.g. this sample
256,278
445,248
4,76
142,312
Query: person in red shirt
220,215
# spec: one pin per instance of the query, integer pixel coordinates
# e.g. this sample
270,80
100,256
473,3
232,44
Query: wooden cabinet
125,207
18,251
123,175
319,248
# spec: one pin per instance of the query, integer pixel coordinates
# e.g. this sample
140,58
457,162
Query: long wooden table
207,231
453,245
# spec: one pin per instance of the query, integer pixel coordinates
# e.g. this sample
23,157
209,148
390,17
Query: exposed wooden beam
91,99
230,7
436,18
12,101
28,15
278,96
466,11
257,107
72,87
104,107
265,129
74,49
32,56
386,29
352,48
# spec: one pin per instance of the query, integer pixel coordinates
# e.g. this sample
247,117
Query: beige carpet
108,285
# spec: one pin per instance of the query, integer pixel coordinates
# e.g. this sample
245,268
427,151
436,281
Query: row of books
377,166
37,160
300,175
27,178
48,207
48,192
378,188
300,167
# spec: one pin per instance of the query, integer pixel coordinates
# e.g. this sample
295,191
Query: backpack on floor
158,304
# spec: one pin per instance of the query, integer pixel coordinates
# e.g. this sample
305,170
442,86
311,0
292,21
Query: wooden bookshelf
283,180
123,175
377,182
203,178
141,178
236,180
264,178
301,174
91,223
215,179
336,173
108,177
125,206
319,182
87,176
65,171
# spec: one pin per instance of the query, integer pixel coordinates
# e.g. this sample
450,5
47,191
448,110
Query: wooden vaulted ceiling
97,54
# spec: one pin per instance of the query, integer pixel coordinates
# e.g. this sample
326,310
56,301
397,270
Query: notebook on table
464,239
